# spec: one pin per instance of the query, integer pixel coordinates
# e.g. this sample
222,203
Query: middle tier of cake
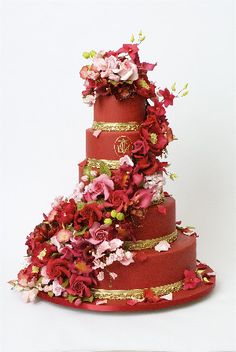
109,145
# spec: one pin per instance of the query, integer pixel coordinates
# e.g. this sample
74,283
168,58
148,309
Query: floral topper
122,74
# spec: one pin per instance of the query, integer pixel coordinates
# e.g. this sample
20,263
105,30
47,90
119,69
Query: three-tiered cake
114,245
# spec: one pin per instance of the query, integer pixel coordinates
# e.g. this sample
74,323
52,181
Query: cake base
180,297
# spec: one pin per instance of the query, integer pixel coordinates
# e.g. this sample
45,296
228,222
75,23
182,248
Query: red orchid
190,280
144,87
168,97
91,213
42,253
132,50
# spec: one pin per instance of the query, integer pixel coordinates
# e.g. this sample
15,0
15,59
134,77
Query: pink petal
96,133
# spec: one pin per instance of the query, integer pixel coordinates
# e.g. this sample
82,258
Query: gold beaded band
146,244
116,126
137,293
112,164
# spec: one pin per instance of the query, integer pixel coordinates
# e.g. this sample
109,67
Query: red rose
79,285
57,268
91,212
140,148
157,109
119,200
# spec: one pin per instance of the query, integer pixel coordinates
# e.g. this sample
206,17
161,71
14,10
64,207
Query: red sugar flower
168,97
91,212
79,285
57,268
190,280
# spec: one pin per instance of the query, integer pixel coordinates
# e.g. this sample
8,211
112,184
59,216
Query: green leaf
88,299
65,283
80,205
184,93
50,294
71,298
81,232
87,170
104,169
132,38
185,86
173,87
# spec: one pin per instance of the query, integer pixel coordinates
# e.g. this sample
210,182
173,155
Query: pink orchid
98,232
142,198
101,185
162,246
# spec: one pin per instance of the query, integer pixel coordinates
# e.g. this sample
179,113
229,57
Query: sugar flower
101,185
162,246
126,160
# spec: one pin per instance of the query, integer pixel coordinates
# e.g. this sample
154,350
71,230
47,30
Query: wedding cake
115,244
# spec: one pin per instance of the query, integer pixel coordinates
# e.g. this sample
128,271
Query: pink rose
98,232
127,71
101,185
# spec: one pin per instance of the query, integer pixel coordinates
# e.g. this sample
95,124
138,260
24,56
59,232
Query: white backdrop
43,139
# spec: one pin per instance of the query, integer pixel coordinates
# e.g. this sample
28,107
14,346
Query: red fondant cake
114,244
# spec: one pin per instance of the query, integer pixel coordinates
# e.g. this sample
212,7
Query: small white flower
162,246
126,160
57,289
30,295
93,173
115,243
89,99
113,275
127,259
84,178
100,276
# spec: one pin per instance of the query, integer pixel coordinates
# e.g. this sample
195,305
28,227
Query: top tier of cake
109,109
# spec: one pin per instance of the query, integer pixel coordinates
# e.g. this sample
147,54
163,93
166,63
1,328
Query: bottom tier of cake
154,280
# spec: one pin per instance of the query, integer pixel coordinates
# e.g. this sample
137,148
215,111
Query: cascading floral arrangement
74,245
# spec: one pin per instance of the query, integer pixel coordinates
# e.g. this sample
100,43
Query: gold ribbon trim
137,293
146,244
112,164
116,126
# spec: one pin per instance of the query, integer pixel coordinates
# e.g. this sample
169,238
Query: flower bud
108,221
86,55
120,216
113,213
